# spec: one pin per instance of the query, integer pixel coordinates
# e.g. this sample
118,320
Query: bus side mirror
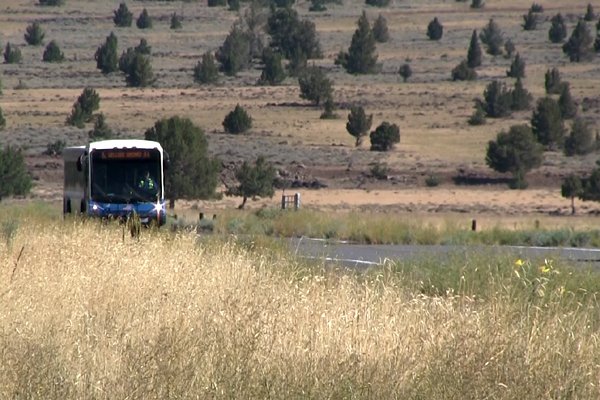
80,162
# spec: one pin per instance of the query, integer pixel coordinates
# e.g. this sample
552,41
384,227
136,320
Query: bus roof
124,144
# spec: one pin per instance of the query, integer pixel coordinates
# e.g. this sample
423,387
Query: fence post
297,201
474,225
283,202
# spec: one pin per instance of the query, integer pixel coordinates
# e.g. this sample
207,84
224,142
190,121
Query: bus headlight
158,208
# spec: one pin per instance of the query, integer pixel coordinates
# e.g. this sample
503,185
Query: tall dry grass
86,313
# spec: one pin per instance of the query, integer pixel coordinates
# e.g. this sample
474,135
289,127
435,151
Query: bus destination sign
125,154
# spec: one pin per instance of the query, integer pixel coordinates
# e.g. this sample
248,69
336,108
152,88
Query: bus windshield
125,175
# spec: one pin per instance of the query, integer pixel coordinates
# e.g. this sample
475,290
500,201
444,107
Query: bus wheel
66,206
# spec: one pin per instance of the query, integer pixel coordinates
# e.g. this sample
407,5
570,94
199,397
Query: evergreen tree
106,55
140,72
143,47
497,100
83,109
34,35
380,30
377,3
515,151
517,68
552,81
477,3
568,108
16,180
237,121
579,45
521,98
328,110
77,117
358,124
101,130
291,37
234,5
474,53
206,70
491,35
462,72
192,174
254,181
216,3
51,2
315,86
12,54
558,30
536,8
273,72
361,57
509,48
405,72
435,30
175,21
590,15
478,116
581,140
234,54
530,21
123,17
571,188
126,60
384,137
2,120
144,21
52,53
547,124
317,6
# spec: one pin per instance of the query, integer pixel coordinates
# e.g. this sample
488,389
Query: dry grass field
223,320
430,109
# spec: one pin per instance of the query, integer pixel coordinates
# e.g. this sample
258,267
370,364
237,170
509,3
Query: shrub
234,55
474,53
315,86
51,2
283,3
144,21
16,180
477,4
380,171
123,17
478,116
34,35
140,72
462,72
126,60
405,72
547,124
552,81
385,136
530,21
101,130
590,15
52,53
175,22
571,188
217,3
206,70
491,35
328,110
536,8
435,30
581,140
358,124
568,108
579,45
55,148
12,54
497,100
273,72
377,3
380,30
143,47
2,120
521,98
317,6
106,55
361,57
517,68
234,5
509,48
558,29
432,180
254,181
84,107
293,38
237,121
515,151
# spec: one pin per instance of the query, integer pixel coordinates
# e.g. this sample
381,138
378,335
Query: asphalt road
362,255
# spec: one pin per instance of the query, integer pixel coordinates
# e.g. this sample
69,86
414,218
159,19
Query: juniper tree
52,53
568,108
405,72
579,45
384,137
51,2
478,116
558,29
474,53
12,54
536,8
552,81
380,30
139,73
291,37
517,68
590,15
581,140
328,110
273,72
497,100
206,70
509,48
233,5
175,21
253,181
237,121
571,188
144,20
16,180
477,3
547,124
2,120
491,35
435,30
462,72
530,21
106,55
234,54
84,107
34,35
361,57
315,86
515,151
126,60
216,3
521,98
317,6
377,3
101,130
358,124
123,17
143,47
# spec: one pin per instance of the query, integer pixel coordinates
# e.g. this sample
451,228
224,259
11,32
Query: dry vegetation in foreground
86,314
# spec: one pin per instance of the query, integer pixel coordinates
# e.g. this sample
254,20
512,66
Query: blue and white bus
115,179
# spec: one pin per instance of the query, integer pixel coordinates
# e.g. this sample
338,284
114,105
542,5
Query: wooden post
474,225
